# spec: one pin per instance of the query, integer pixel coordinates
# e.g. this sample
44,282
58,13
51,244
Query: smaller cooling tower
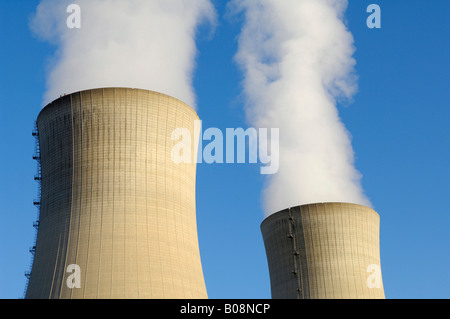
324,251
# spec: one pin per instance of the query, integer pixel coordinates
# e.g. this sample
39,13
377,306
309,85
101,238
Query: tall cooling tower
114,206
324,251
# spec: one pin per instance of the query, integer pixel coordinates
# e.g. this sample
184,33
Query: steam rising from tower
297,61
133,43
113,202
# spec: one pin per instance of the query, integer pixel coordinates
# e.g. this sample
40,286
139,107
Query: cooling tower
324,251
114,206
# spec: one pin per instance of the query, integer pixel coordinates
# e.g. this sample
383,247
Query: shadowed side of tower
112,200
324,251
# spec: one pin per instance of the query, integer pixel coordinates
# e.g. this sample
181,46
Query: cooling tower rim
284,211
64,95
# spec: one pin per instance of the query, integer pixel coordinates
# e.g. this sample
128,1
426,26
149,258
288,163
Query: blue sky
398,121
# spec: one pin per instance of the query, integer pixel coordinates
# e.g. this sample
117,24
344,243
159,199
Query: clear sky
399,121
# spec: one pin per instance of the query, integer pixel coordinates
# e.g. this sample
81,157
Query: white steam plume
124,43
296,56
